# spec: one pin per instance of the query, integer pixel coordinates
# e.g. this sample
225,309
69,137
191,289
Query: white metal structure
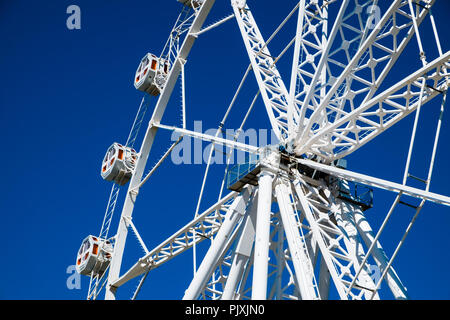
293,228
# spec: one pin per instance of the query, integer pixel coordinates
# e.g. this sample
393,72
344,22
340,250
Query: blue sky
66,95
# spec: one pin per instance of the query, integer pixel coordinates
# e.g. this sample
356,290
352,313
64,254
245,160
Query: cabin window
120,156
95,249
87,245
111,152
153,64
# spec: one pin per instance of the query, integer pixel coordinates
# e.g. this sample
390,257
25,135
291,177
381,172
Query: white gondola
118,164
191,3
151,74
94,256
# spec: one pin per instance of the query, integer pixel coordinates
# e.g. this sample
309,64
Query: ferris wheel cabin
93,256
151,74
118,164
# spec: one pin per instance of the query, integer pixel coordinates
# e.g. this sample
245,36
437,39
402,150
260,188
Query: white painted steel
234,214
378,183
262,235
271,85
304,270
215,139
365,231
330,111
339,137
147,143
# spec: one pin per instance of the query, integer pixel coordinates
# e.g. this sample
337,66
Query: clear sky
66,95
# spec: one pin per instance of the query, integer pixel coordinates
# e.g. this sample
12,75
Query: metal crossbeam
205,226
215,139
378,183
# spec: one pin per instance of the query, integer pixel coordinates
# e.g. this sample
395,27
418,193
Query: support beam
324,280
235,213
297,47
352,243
215,139
304,272
261,255
378,114
324,249
215,25
242,253
333,102
318,74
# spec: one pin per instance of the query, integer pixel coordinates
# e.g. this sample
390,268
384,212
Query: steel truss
291,235
313,240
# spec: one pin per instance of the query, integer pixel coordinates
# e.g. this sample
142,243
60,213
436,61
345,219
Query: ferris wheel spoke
242,254
312,44
294,225
381,112
273,91
325,56
363,74
297,244
234,216
365,231
340,250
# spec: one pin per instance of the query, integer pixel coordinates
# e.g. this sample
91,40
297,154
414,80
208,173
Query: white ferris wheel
290,221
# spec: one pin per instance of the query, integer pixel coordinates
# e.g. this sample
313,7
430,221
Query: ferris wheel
293,225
